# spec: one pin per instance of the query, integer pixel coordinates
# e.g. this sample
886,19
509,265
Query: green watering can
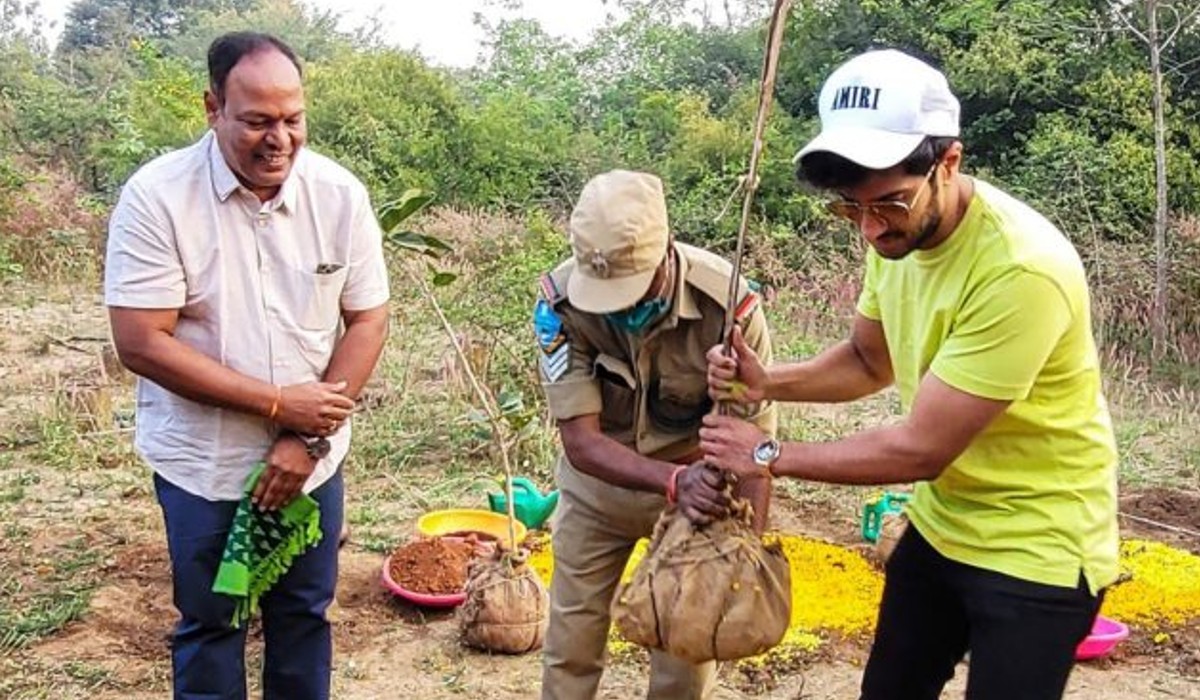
887,503
530,506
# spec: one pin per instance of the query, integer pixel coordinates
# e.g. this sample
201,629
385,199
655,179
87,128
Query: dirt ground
388,649
117,649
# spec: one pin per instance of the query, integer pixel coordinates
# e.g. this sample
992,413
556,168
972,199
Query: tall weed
49,226
1122,284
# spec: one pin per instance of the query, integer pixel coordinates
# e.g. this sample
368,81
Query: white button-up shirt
259,287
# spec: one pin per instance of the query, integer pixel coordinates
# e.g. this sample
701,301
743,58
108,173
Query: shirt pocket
677,399
617,395
318,298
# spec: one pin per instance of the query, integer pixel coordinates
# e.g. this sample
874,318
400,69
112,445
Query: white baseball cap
879,106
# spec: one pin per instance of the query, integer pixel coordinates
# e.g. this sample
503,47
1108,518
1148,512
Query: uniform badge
554,357
599,263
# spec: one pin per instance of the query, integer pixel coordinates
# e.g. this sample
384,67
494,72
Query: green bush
391,119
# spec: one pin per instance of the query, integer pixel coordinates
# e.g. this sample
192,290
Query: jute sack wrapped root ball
710,593
506,606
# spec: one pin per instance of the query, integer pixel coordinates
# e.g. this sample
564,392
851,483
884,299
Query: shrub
53,230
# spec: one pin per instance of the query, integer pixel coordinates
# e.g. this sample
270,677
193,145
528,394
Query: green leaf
441,279
393,213
510,401
418,243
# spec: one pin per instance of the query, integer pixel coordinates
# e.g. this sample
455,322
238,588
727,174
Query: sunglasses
892,210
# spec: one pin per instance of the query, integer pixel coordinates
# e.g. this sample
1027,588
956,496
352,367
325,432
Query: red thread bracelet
673,481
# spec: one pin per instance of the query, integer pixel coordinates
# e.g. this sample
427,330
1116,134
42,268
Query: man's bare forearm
758,493
887,455
838,374
596,454
158,356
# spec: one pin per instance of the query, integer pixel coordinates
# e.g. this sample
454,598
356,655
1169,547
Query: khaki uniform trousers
595,529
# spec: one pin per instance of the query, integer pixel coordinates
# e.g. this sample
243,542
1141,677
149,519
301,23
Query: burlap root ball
506,606
707,593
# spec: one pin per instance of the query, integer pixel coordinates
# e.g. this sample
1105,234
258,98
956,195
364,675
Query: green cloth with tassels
262,546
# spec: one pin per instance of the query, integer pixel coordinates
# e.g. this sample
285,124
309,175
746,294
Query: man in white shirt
247,288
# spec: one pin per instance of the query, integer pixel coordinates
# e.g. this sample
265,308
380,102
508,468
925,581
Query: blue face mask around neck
641,316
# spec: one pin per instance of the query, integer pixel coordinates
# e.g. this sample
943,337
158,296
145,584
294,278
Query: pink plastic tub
1105,635
429,600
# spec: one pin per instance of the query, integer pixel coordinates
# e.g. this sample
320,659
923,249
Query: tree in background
391,119
1157,43
312,34
1056,102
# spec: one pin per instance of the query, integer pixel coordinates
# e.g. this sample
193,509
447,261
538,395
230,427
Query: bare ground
388,649
87,498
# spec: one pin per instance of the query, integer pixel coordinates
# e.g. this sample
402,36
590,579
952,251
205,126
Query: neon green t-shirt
1001,310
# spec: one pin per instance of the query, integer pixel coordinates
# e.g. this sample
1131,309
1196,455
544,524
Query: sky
441,30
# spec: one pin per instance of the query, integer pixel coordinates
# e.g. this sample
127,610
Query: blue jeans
208,654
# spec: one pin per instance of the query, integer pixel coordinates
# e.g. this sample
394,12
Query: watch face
766,452
318,448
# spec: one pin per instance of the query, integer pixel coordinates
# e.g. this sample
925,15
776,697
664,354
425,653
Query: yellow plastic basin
467,521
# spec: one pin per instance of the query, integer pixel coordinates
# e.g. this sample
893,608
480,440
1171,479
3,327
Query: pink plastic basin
429,600
1105,635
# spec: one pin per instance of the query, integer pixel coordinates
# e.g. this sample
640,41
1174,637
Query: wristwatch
316,446
766,453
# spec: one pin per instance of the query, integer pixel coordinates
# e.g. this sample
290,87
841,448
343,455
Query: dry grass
1122,277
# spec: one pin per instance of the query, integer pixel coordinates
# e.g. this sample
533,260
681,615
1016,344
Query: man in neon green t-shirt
977,309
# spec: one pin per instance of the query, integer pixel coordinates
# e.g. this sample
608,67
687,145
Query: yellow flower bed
836,591
833,590
1159,587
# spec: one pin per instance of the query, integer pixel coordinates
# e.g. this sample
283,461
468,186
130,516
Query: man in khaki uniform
622,329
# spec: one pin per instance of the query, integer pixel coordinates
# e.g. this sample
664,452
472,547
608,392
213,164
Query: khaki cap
619,235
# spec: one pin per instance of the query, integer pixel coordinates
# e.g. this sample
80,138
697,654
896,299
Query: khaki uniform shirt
650,391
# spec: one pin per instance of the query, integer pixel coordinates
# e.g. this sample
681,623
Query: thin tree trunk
1159,321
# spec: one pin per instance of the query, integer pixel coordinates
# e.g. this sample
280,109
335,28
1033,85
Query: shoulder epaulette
709,273
553,284
747,306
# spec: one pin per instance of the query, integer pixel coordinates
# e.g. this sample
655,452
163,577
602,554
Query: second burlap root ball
506,606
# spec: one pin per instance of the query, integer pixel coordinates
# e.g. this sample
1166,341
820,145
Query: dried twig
66,343
483,393
1155,523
